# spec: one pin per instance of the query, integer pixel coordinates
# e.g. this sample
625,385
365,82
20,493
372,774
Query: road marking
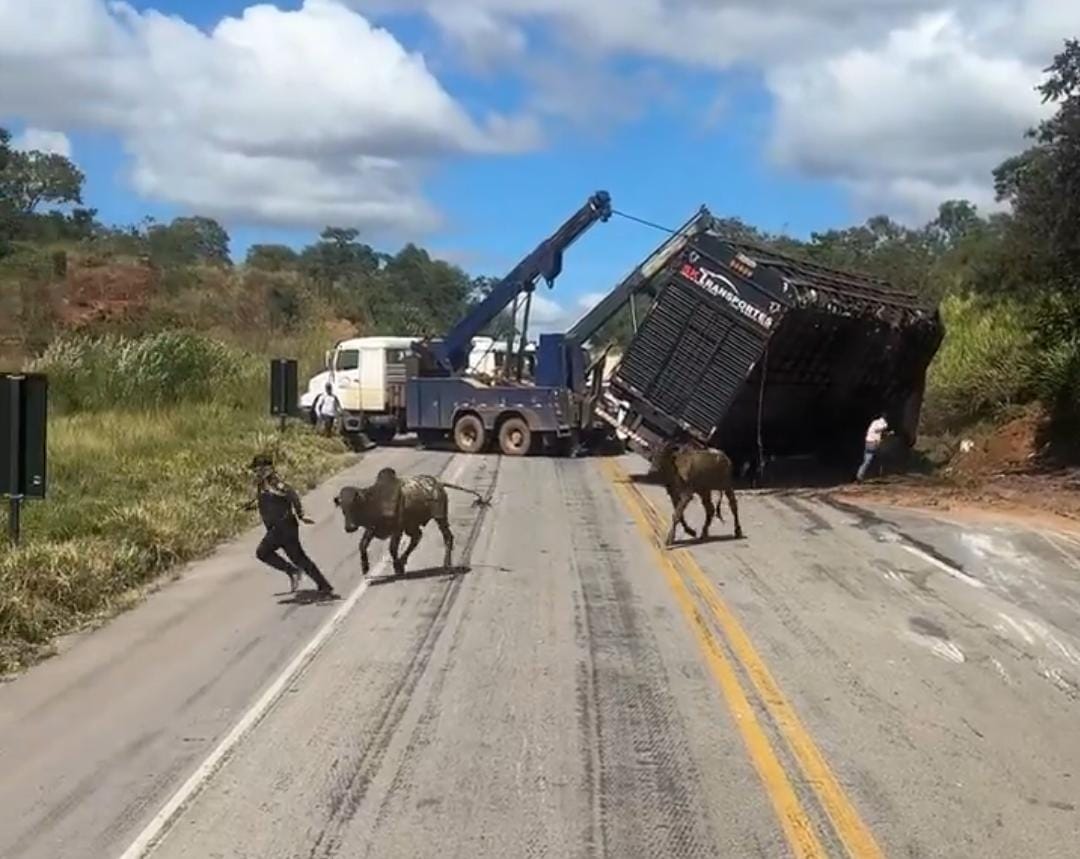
853,833
189,789
159,826
796,824
955,572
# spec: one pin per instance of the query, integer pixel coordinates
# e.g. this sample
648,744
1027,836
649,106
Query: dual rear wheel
514,435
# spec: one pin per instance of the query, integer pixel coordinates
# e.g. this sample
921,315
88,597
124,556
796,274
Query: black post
14,529
15,455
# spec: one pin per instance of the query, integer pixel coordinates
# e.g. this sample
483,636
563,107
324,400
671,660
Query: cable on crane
638,220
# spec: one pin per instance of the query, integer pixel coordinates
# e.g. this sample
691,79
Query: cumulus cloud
902,101
296,118
928,112
42,140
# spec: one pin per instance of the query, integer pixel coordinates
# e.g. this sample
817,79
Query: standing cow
394,506
688,470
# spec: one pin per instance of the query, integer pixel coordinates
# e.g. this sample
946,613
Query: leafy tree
187,241
1043,183
272,257
28,179
5,148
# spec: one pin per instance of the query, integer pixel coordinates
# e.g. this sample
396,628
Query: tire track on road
352,785
643,782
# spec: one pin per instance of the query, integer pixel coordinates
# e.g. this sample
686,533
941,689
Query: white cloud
927,113
903,102
42,140
302,117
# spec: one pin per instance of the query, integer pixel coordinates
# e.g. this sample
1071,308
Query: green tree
188,241
29,179
1043,183
272,257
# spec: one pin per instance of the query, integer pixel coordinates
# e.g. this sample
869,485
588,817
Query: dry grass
132,495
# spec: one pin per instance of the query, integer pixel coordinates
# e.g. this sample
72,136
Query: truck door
373,379
347,379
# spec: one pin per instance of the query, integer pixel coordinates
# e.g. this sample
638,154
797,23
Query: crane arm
451,353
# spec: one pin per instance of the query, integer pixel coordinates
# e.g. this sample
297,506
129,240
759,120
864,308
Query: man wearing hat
280,509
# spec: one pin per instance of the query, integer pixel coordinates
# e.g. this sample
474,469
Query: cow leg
414,539
448,541
710,511
365,541
730,493
395,544
680,509
682,519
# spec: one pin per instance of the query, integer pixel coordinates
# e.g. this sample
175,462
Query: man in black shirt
280,508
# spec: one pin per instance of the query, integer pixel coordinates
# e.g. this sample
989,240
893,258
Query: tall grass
986,362
92,374
147,455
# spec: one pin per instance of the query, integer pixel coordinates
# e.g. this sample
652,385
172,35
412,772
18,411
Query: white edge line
157,827
941,565
198,779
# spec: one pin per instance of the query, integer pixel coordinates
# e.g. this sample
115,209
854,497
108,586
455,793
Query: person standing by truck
874,432
327,409
281,512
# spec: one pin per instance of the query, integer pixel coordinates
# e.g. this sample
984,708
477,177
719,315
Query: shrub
986,362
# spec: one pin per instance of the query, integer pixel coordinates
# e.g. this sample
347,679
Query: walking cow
688,470
394,506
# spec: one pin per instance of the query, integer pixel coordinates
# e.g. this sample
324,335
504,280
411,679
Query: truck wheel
469,434
515,438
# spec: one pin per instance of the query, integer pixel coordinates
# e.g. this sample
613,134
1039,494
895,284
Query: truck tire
515,437
469,434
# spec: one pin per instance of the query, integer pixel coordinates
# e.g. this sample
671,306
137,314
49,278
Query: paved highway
840,683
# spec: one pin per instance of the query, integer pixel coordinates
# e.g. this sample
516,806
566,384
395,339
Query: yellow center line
796,824
856,837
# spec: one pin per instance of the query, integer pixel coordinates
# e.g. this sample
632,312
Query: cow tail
480,501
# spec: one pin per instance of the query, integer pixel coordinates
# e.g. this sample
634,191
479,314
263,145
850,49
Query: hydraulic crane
450,355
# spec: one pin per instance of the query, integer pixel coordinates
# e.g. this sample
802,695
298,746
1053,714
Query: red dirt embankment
1005,470
105,292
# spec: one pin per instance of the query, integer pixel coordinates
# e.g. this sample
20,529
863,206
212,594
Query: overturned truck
761,355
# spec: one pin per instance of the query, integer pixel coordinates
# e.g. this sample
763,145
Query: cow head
354,504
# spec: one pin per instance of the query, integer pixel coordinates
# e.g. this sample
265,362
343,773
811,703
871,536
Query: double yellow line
685,577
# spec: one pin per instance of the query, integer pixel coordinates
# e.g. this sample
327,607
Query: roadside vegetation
156,344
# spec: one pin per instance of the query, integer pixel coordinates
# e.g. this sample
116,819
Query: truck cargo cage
754,352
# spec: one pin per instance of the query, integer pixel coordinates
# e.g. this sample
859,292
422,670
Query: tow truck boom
451,353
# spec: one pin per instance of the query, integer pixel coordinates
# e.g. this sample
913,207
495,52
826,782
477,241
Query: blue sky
286,117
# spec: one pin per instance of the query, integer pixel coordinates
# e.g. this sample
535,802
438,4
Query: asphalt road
839,683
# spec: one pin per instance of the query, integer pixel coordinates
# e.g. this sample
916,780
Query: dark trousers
285,536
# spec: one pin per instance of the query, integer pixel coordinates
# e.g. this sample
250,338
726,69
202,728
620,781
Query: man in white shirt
874,432
327,407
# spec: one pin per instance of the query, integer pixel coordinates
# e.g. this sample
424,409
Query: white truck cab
368,376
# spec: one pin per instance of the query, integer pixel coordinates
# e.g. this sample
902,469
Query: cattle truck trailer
761,354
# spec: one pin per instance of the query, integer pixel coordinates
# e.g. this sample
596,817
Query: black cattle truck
761,354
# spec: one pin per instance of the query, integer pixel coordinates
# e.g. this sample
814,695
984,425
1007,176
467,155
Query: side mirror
326,359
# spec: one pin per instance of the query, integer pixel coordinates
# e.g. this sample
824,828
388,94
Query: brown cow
394,506
688,470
